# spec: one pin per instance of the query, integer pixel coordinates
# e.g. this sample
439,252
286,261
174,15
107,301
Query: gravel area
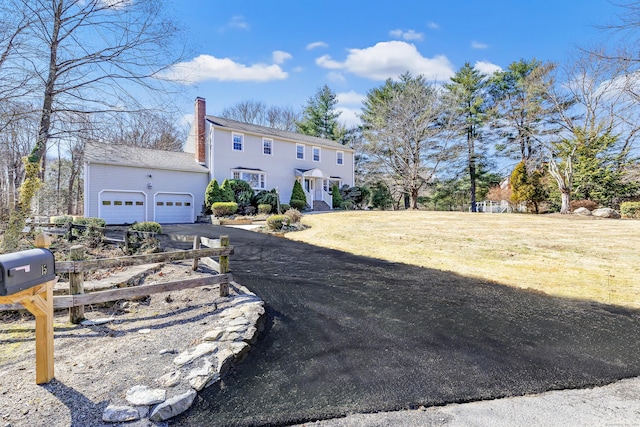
96,365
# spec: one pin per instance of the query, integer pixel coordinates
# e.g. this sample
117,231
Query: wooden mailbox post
38,300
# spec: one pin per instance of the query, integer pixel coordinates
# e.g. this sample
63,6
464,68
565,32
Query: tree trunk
414,198
566,203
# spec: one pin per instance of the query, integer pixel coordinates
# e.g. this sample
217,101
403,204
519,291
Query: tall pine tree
320,117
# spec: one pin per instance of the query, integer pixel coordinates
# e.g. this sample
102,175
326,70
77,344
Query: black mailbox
25,269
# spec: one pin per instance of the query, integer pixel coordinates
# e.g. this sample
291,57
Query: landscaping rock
174,406
606,213
203,376
120,414
192,354
169,379
213,335
140,395
582,212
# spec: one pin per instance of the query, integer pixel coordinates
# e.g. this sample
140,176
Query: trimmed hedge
224,208
298,204
630,210
264,208
284,207
277,222
147,226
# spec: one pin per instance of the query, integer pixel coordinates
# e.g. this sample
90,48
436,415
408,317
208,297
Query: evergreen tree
467,89
226,191
320,117
212,194
298,193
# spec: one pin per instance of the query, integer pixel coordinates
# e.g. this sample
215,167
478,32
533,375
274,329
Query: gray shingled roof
276,133
127,155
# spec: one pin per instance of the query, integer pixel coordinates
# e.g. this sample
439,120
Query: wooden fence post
76,285
126,242
224,266
196,245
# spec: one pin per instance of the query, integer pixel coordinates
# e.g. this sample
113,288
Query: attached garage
122,207
171,208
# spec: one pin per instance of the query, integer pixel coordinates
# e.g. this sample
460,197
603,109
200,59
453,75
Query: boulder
606,213
582,212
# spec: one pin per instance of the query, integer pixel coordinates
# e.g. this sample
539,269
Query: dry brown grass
587,258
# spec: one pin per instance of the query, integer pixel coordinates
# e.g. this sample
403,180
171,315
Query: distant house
124,184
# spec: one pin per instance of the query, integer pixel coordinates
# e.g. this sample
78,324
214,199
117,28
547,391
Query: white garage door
174,208
122,207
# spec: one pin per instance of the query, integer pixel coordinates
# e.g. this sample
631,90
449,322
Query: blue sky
280,51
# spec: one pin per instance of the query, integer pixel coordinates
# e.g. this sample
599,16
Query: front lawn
597,259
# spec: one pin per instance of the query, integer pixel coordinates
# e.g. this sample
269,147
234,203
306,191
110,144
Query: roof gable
234,125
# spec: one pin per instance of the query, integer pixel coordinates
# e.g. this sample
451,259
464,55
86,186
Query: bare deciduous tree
87,56
408,131
258,113
601,107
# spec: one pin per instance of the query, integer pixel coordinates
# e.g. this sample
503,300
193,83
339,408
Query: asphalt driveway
349,334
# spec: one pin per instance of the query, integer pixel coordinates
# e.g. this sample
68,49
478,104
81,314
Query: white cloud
207,67
298,69
336,77
486,67
433,26
389,60
279,57
316,45
478,45
406,35
350,98
237,22
349,117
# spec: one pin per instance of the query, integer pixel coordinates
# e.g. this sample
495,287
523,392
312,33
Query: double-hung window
267,146
300,151
256,179
316,154
238,141
340,157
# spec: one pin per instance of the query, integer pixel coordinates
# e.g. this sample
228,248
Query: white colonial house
125,184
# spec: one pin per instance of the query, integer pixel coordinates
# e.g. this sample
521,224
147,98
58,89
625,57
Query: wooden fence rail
78,299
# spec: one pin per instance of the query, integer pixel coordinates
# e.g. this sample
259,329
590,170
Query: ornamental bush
224,208
294,215
298,204
212,195
630,210
284,207
264,208
147,226
298,193
265,197
226,192
62,220
336,197
277,222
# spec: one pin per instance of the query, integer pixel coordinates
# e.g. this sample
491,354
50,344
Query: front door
309,186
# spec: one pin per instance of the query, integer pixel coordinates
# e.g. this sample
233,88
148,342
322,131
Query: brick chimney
200,111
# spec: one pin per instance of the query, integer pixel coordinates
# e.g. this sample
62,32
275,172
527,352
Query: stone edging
240,320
